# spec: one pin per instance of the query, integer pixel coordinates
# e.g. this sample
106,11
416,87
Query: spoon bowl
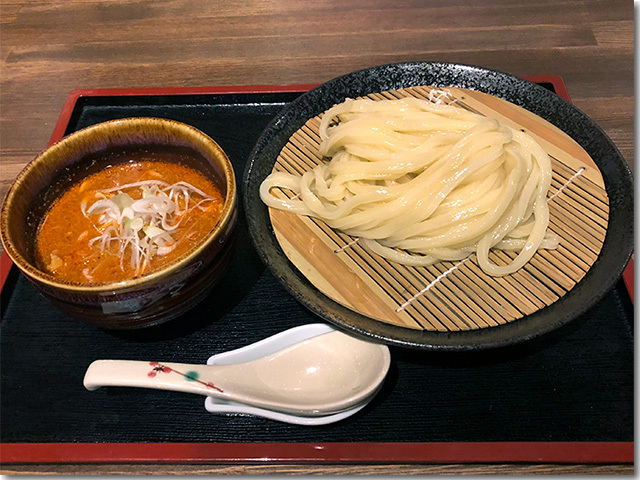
312,370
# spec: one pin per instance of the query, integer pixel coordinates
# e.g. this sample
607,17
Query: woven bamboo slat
453,296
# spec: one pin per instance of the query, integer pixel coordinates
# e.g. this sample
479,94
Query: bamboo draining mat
453,296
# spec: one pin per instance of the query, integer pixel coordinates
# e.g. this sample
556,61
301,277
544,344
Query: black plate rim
614,256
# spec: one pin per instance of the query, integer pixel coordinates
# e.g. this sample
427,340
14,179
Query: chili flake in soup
127,220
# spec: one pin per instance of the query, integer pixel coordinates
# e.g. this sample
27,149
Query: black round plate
615,253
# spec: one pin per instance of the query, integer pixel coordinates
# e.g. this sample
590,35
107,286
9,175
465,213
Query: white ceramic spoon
269,346
313,370
215,405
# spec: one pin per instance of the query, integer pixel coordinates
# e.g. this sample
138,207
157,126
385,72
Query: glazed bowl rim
185,130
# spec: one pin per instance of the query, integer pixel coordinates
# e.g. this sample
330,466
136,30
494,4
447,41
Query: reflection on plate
464,309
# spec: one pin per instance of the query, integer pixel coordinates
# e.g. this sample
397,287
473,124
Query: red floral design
158,367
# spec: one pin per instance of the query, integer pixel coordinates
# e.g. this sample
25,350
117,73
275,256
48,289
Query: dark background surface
575,384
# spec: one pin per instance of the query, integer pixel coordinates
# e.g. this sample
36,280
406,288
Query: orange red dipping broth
127,220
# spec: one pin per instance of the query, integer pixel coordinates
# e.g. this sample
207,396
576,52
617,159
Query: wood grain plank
599,75
331,469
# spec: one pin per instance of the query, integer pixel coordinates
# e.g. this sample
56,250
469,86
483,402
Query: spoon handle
181,377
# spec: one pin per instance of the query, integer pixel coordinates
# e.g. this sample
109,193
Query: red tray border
340,452
366,452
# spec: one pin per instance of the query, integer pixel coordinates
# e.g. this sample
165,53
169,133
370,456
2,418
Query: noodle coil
419,182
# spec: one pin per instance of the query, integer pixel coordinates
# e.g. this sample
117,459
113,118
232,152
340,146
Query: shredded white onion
141,227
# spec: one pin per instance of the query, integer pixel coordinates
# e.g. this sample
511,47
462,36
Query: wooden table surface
48,48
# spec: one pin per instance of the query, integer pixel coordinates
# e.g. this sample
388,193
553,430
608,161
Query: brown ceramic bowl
150,299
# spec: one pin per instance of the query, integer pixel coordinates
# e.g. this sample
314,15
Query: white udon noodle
420,182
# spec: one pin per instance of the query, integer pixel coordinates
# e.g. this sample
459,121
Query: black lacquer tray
571,388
